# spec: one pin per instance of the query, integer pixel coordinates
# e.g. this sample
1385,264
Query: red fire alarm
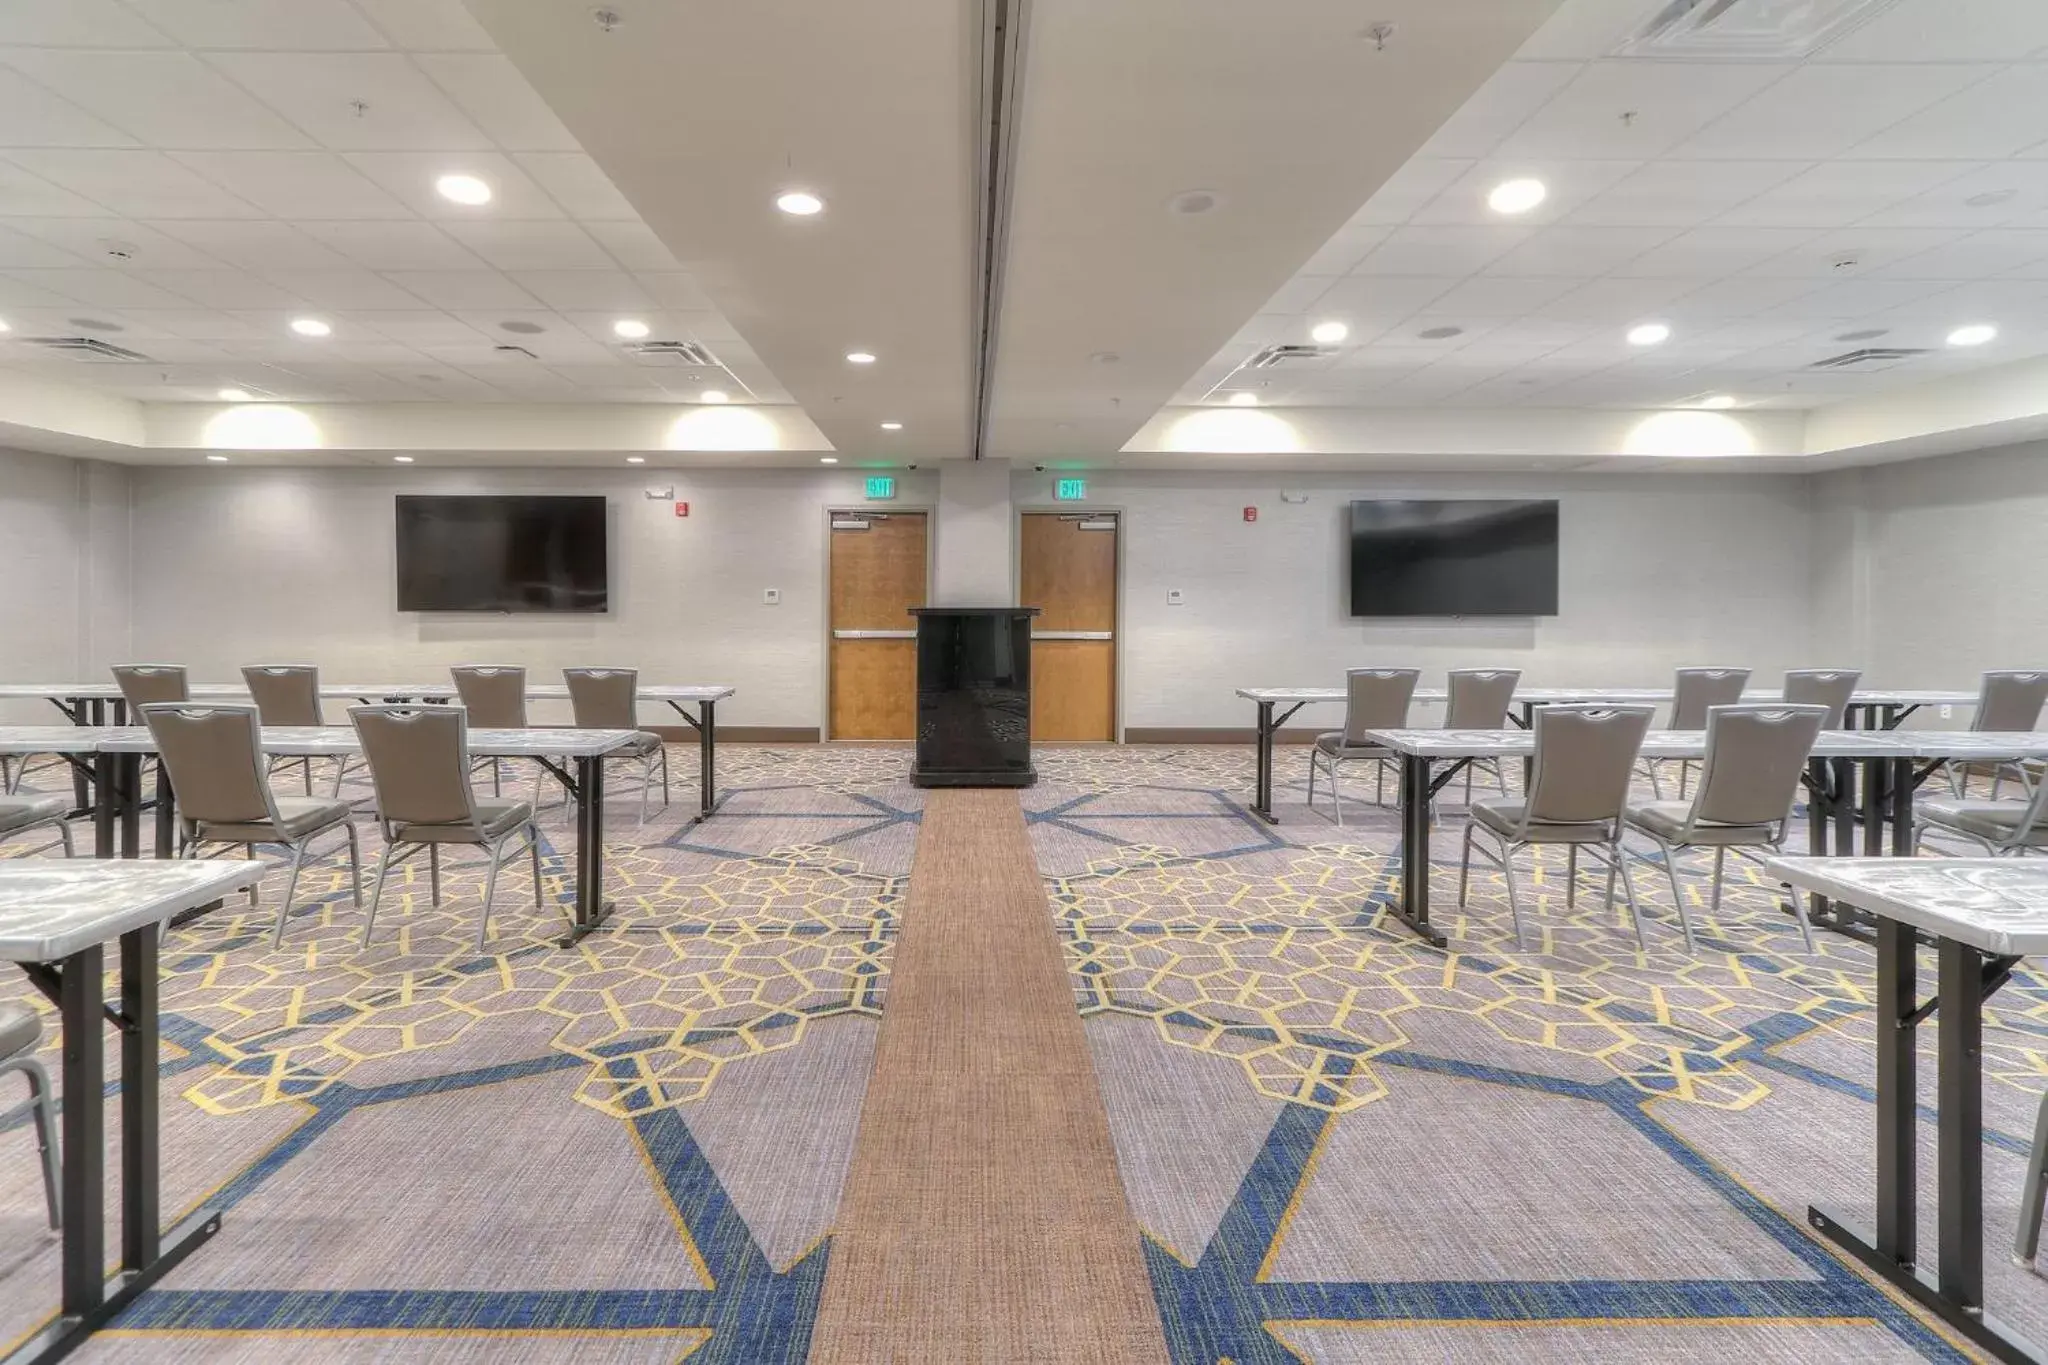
682,509
1251,514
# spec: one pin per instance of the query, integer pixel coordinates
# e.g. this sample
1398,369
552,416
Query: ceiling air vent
1748,30
1281,355
1869,358
688,352
89,348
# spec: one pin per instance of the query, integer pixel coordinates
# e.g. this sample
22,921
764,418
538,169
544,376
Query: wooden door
878,575
1069,573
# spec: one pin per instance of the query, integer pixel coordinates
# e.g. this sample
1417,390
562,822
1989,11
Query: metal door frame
1123,526
834,509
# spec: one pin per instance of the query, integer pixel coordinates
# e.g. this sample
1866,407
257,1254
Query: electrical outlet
1948,712
1174,598
771,596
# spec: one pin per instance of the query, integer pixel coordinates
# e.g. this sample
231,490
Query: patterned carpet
1344,1145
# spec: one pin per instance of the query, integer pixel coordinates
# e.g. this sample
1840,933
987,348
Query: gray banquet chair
289,694
608,699
2026,1244
1693,690
214,754
1833,688
2007,699
1479,700
1374,699
495,697
20,814
20,1030
144,684
1997,827
1755,755
1583,760
420,765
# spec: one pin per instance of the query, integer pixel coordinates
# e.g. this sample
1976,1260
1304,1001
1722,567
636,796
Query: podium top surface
974,611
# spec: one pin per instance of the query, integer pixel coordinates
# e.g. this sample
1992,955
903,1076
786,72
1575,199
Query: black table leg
1876,804
1262,764
85,1133
591,907
1959,1160
1897,1058
707,760
167,814
128,791
105,805
1528,722
74,711
1902,807
140,1202
1413,907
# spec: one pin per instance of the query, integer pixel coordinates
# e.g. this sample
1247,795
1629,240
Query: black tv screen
501,554
1454,558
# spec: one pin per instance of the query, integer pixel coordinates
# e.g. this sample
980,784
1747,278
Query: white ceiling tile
1634,110
277,24
1581,30
318,91
1618,301
79,23
1839,192
493,93
1539,335
1936,31
134,184
578,185
103,287
410,176
1999,116
1298,294
459,289
199,324
1513,93
18,249
395,245
23,289
1975,256
428,25
1681,193
531,246
255,245
166,99
1584,252
1870,249
417,327
1408,190
1387,298
1571,184
1456,249
2017,190
23,195
1337,256
584,289
357,290
1736,298
1822,111
296,185
222,288
669,324
634,245
1853,299
31,116
1710,252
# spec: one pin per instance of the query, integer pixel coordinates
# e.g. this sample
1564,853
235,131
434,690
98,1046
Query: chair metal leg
306,773
1500,775
291,884
377,892
64,833
434,873
1656,782
646,786
1571,876
44,1113
1615,854
340,769
533,850
1336,792
2027,1243
249,852
1677,892
1720,867
1465,864
1507,867
483,928
355,864
664,774
1312,779
1379,784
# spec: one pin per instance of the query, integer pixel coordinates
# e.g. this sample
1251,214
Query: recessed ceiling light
1990,197
217,459
1649,334
1244,400
522,327
1976,334
1517,196
310,327
1329,333
1440,333
1103,357
892,426
1718,400
799,203
4,327
714,396
632,329
1863,334
96,324
828,459
859,358
463,189
234,395
636,459
401,459
1190,203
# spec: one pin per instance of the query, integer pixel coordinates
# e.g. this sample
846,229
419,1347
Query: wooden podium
973,697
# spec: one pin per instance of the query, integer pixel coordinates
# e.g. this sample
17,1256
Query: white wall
1655,572
238,566
64,540
974,560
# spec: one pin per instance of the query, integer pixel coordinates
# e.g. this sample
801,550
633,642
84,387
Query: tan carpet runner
983,1219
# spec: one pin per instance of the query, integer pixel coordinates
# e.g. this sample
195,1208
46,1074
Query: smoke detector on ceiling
1748,30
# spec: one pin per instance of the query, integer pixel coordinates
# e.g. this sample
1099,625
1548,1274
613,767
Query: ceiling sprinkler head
1379,33
607,19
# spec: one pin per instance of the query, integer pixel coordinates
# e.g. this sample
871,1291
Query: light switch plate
1174,598
771,596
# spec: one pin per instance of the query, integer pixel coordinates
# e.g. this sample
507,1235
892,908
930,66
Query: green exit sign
881,486
1070,490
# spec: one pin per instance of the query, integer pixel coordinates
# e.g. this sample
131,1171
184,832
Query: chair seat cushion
20,1028
19,812
1985,819
299,815
645,743
1505,819
1666,819
497,817
1333,743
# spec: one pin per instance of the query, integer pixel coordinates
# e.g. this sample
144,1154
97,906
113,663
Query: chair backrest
1698,688
2011,699
214,755
1480,697
1755,754
1829,687
1377,699
285,694
604,698
1584,758
419,762
142,684
495,697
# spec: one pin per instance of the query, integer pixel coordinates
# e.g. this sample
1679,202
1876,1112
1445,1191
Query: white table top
1613,695
329,741
52,907
1924,744
351,691
1995,905
49,739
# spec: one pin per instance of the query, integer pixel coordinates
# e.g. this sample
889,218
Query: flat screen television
1454,558
524,554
